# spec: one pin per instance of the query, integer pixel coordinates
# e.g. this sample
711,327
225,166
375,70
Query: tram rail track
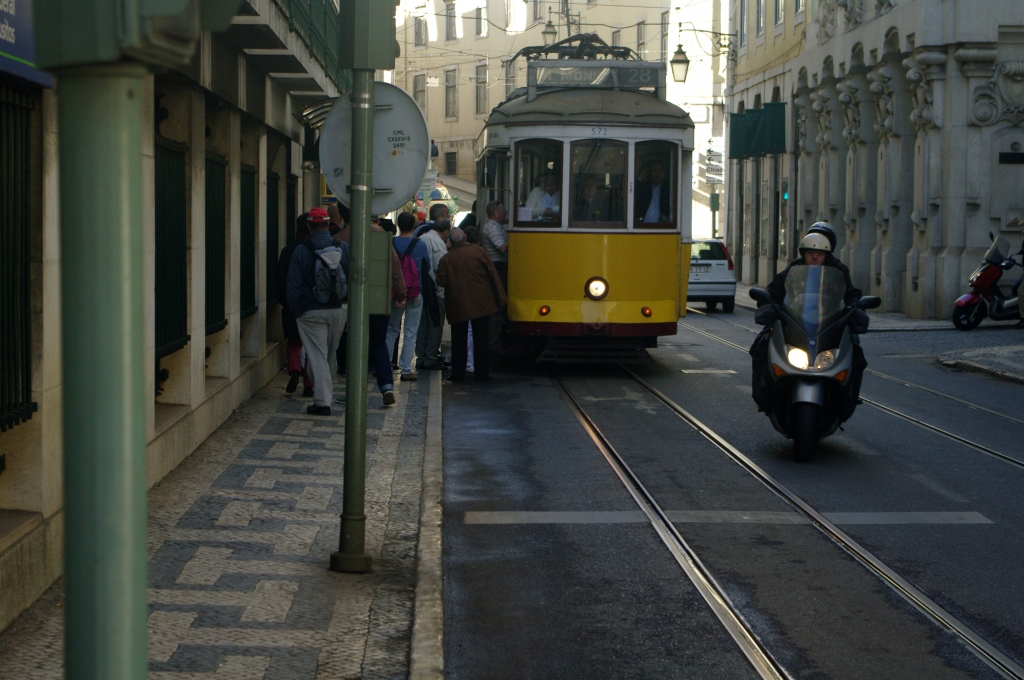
900,414
886,376
709,588
713,593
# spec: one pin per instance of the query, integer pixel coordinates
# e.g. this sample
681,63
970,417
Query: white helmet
815,242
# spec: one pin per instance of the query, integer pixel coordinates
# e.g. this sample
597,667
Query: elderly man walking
473,292
317,289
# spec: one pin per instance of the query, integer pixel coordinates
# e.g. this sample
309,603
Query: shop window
538,183
654,190
216,222
247,242
171,256
597,185
451,163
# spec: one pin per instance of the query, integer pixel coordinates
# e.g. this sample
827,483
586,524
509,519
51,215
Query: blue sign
17,42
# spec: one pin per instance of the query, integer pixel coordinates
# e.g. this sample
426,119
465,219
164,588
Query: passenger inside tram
653,195
593,202
545,201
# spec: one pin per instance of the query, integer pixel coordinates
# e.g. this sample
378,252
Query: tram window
538,183
597,185
654,193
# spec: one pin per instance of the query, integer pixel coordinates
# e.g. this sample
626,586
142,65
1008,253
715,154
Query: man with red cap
317,290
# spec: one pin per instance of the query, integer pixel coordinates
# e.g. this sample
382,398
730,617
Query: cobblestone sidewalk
239,541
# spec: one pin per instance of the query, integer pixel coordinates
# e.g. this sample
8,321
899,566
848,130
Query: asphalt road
532,593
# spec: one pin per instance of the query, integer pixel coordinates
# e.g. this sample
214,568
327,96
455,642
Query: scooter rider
815,249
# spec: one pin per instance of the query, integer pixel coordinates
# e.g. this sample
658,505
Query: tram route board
597,76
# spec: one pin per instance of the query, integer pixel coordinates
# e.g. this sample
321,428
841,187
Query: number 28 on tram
593,167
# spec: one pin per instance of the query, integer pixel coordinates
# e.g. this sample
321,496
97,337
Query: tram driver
653,195
545,201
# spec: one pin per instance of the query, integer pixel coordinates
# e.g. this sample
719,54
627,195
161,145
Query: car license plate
700,268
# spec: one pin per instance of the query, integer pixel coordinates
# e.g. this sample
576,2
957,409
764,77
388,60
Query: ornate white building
903,130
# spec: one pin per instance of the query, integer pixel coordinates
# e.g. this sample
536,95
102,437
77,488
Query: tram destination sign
597,76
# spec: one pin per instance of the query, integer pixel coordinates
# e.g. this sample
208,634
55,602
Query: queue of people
437,273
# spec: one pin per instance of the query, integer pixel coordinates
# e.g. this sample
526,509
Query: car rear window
707,250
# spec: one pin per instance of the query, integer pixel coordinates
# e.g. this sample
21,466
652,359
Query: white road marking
707,370
717,517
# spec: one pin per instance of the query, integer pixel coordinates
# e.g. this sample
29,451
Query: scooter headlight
825,360
797,358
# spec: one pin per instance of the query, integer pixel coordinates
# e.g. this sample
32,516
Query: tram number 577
598,132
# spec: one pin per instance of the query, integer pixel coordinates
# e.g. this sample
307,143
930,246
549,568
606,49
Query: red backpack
410,272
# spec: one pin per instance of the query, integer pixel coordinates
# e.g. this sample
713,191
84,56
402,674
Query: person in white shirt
545,201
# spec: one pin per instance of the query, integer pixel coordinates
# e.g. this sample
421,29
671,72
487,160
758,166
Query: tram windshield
654,198
597,187
539,184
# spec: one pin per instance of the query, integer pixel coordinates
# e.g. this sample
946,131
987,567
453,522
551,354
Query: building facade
223,182
455,63
904,125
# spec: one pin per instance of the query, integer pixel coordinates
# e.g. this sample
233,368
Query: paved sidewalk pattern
239,541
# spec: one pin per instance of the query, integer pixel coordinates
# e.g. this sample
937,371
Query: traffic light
159,32
366,34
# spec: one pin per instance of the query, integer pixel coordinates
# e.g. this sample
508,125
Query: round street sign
401,148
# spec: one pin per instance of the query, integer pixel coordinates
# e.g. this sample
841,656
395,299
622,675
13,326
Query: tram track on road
713,593
900,414
879,374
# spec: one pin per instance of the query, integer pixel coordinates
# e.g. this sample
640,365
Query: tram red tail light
646,311
544,310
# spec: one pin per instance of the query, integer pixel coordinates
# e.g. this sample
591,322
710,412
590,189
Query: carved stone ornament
822,106
853,12
883,94
848,92
803,110
826,21
923,114
883,7
1002,98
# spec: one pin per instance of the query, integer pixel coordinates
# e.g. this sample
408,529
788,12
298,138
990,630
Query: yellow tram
594,168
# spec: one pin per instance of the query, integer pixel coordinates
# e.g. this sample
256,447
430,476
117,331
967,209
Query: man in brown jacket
472,292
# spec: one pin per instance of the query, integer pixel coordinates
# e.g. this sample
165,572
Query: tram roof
589,107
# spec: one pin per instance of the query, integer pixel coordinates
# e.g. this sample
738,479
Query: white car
712,279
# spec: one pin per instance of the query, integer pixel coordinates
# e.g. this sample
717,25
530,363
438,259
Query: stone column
807,163
926,74
861,168
832,161
895,185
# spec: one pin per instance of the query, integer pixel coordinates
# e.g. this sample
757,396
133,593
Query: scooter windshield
998,251
815,297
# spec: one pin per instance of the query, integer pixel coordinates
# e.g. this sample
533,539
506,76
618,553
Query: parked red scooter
987,299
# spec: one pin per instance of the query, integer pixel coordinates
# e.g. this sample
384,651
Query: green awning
738,135
758,132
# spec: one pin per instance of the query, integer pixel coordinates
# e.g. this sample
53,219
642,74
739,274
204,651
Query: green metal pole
100,117
351,556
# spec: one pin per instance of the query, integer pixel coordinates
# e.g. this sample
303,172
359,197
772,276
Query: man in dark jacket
815,250
288,324
320,323
470,279
653,200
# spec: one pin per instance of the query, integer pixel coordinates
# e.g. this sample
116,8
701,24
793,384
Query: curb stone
426,657
972,367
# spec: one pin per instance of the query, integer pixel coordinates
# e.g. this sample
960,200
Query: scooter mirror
760,295
870,302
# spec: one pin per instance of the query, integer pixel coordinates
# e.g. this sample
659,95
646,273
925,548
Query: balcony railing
316,23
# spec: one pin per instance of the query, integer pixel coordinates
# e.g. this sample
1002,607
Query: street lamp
549,33
680,65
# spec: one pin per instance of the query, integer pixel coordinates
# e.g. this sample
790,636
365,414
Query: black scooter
814,370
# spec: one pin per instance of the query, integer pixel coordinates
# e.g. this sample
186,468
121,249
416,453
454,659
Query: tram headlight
797,358
596,288
825,360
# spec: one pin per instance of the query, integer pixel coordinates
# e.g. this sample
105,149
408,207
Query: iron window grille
451,94
449,22
481,89
171,257
216,223
273,235
419,90
420,31
247,242
16,405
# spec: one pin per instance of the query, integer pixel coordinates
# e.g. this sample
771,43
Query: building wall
898,111
228,101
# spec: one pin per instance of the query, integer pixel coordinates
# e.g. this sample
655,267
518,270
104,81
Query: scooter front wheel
805,430
969,317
